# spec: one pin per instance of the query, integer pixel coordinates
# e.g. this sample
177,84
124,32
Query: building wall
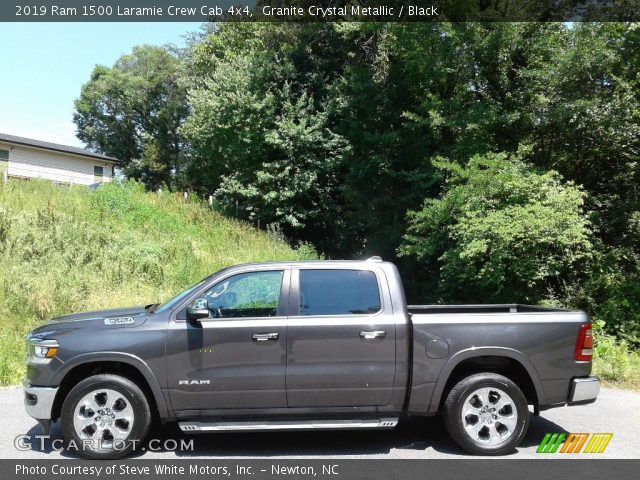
28,162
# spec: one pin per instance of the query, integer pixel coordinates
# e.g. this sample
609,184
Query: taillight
584,344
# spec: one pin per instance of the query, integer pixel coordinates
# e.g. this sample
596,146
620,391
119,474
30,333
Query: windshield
180,296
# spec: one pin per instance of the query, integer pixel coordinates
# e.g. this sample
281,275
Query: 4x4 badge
119,321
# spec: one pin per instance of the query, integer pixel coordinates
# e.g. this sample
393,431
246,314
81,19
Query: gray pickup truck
305,345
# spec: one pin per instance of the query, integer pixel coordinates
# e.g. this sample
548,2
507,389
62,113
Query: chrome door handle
264,337
373,334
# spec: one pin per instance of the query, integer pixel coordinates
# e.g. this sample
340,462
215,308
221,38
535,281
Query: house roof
29,142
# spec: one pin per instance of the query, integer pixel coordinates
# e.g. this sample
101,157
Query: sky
43,66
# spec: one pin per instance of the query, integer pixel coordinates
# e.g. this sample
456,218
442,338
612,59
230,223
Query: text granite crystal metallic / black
305,345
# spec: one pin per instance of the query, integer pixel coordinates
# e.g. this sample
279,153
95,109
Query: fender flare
129,359
466,354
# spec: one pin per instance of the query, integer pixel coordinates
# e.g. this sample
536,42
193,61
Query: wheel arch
118,363
506,361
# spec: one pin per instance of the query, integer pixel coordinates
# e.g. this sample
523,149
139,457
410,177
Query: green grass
614,361
630,380
66,249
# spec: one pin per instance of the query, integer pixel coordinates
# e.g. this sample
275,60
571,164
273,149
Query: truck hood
96,320
101,314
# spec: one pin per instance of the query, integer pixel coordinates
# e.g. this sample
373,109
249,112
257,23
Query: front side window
4,154
339,292
254,294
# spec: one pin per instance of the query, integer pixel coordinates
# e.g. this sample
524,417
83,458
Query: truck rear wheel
486,414
105,417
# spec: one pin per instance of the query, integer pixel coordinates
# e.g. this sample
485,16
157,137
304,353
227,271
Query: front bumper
38,401
584,390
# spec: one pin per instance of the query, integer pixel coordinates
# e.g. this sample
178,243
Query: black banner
477,469
317,11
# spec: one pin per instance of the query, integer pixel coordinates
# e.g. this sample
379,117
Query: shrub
501,232
612,358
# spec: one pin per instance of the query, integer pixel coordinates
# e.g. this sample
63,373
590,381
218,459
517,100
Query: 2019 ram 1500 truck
305,345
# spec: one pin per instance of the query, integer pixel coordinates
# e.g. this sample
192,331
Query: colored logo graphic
574,443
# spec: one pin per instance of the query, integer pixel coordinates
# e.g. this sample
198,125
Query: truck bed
538,340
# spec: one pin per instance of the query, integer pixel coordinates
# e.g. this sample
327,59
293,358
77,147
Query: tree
585,121
133,112
332,132
501,232
262,130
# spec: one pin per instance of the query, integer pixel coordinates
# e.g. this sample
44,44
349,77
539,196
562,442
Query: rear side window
338,292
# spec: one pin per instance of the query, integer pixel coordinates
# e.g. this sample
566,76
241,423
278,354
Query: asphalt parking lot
616,411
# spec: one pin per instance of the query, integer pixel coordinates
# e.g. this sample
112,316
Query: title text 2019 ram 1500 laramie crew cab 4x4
305,345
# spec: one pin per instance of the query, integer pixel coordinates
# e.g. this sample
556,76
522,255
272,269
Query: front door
236,358
341,347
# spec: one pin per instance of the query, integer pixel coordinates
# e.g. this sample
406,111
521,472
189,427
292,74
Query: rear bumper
584,390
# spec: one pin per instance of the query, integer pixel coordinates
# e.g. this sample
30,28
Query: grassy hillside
68,249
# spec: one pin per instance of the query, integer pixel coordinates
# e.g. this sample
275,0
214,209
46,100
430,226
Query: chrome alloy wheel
103,416
489,416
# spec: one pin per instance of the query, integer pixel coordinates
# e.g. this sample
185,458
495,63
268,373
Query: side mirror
198,309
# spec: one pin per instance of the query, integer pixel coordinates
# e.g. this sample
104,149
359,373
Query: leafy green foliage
260,138
133,111
613,359
611,292
69,249
587,121
329,133
501,232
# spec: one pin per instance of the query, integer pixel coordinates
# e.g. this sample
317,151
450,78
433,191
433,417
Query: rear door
341,348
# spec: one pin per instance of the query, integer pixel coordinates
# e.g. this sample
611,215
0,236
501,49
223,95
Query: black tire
135,431
484,443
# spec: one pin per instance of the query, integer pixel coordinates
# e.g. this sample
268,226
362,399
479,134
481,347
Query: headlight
41,351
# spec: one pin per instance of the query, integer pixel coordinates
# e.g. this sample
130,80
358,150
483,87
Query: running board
252,426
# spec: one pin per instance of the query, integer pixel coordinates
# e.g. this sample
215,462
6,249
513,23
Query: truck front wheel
486,414
105,417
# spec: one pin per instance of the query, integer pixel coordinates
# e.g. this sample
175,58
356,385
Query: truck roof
284,263
291,263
